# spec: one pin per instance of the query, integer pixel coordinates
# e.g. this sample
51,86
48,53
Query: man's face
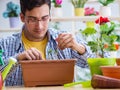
36,22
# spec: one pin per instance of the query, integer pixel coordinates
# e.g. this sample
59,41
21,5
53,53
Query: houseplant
105,10
102,40
90,11
57,3
12,12
106,2
57,8
79,7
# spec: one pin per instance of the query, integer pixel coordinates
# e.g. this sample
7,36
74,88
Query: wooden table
52,88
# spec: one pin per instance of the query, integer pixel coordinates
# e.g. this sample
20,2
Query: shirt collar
50,33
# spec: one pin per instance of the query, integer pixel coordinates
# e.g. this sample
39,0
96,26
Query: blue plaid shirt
13,45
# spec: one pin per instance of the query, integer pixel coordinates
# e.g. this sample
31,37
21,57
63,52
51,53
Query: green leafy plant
78,3
103,38
106,2
12,10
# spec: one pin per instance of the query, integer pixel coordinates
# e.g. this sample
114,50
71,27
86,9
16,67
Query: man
37,42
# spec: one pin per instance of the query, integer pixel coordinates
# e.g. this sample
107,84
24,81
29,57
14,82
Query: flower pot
118,61
47,72
105,11
57,12
90,24
111,71
95,63
14,22
79,11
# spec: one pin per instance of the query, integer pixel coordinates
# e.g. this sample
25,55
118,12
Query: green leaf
93,45
89,31
109,39
105,2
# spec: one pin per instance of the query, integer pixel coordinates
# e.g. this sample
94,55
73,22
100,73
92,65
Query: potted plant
90,11
79,7
12,11
57,8
105,10
102,41
105,2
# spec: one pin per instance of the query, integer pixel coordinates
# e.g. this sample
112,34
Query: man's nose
39,24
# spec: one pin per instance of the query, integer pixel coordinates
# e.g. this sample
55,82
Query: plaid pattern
13,45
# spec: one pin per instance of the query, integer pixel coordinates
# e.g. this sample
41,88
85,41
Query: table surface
52,88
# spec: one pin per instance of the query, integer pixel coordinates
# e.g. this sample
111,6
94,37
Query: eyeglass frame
35,20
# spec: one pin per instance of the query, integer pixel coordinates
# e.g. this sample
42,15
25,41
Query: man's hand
66,40
31,54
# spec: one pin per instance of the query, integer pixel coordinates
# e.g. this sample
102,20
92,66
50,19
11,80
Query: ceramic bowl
111,71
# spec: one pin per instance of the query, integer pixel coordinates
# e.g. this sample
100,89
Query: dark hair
30,4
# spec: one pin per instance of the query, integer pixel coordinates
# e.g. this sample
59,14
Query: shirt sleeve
82,58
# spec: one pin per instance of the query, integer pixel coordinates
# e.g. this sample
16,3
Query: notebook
47,72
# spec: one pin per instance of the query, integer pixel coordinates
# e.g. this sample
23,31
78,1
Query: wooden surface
47,88
52,88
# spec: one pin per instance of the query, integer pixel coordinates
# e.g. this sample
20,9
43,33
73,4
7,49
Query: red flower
102,20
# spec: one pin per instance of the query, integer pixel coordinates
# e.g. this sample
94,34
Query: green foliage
104,35
89,31
106,2
12,10
78,3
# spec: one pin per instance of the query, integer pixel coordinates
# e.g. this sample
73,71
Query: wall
4,22
67,12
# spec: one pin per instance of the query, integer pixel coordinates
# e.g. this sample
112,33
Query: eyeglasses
33,20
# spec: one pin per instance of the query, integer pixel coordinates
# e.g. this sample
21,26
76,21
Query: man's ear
22,17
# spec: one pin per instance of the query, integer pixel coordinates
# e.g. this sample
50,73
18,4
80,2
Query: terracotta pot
111,71
118,61
47,72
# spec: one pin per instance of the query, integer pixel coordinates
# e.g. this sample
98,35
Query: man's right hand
30,54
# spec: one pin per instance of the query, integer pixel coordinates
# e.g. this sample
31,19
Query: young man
37,42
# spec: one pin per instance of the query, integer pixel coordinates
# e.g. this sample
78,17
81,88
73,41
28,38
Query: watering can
6,70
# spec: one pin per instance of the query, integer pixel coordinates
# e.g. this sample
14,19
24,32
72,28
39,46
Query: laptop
47,72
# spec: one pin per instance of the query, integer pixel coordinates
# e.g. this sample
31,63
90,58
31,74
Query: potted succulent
79,7
57,8
12,12
102,41
105,10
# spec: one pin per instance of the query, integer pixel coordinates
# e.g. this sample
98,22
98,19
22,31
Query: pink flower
58,2
90,11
